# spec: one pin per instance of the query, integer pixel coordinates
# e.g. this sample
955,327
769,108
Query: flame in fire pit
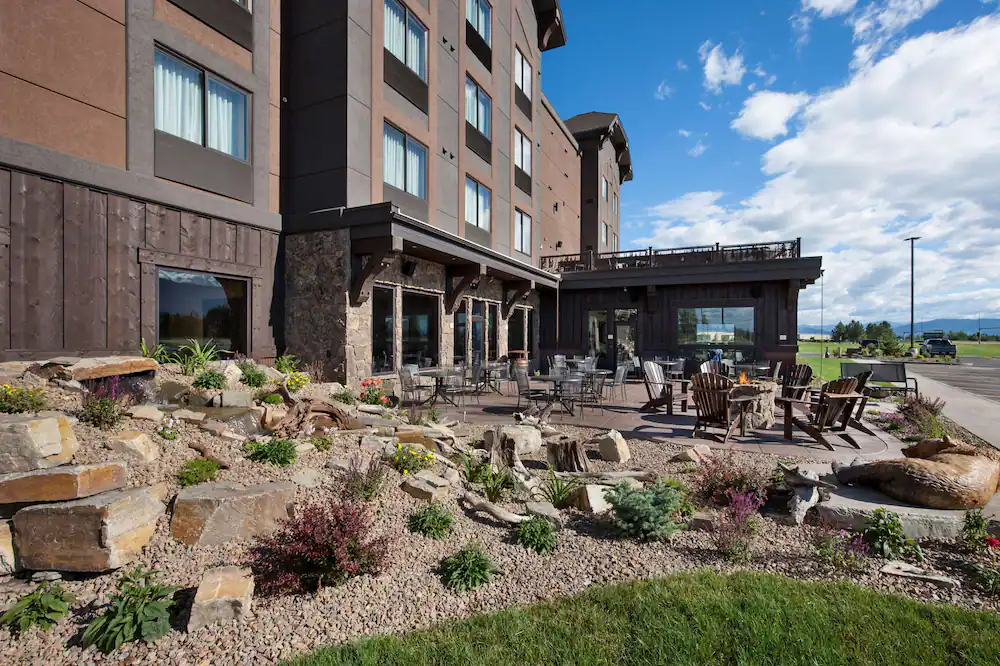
744,379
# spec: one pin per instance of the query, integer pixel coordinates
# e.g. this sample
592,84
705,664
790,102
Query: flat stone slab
134,445
907,570
146,413
99,533
109,366
212,513
422,490
224,595
545,510
35,442
58,484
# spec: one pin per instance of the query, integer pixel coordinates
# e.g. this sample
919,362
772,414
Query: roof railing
680,256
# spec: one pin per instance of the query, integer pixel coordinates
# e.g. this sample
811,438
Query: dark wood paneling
223,240
126,229
85,260
247,245
36,272
264,318
5,260
163,228
4,198
196,236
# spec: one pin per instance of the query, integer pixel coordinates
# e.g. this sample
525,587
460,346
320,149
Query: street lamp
912,240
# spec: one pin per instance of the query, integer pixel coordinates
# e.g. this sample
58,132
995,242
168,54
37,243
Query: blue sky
851,123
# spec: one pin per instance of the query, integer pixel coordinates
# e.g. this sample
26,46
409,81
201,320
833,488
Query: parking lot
980,376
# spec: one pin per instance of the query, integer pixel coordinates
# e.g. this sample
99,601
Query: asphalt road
979,376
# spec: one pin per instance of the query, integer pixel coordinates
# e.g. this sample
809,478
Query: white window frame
245,4
522,232
604,234
522,73
604,188
480,188
407,140
614,203
407,17
521,144
473,18
481,95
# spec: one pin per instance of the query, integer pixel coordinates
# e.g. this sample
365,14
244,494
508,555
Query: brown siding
560,184
85,261
126,227
205,35
274,189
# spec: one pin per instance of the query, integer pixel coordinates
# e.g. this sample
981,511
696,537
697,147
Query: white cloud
663,91
766,114
720,69
907,146
681,65
698,150
707,107
878,24
828,8
684,132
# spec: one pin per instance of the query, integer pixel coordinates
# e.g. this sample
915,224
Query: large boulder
58,484
224,595
590,498
422,490
28,442
134,445
613,447
8,561
109,366
212,513
95,534
527,439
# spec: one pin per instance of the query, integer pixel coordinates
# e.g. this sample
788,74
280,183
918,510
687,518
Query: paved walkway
979,416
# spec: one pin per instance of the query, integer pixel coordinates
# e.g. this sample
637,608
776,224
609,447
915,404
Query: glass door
626,322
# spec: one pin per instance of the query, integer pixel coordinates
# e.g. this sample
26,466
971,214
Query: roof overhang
612,131
382,228
804,270
551,28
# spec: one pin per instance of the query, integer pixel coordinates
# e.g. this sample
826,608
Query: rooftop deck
672,257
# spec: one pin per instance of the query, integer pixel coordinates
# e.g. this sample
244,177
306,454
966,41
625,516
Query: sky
853,124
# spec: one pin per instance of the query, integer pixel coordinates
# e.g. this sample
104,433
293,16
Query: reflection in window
202,307
383,313
625,335
597,333
460,330
515,331
492,326
420,329
715,326
478,331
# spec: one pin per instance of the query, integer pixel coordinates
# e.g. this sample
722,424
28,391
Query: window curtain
484,21
484,114
518,68
395,29
518,151
178,98
227,119
526,78
416,47
526,155
392,158
416,169
484,208
470,102
471,200
517,231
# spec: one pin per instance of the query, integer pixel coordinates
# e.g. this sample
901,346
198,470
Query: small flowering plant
16,399
974,537
895,422
407,460
840,549
736,525
169,429
297,381
372,392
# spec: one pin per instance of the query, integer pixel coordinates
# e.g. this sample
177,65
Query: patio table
441,375
672,369
555,396
490,382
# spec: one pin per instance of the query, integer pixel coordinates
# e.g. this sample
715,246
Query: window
460,328
614,241
597,333
492,327
406,37
614,204
477,107
419,329
477,13
404,162
193,104
477,204
515,331
522,152
478,331
604,233
383,331
202,307
522,232
522,73
715,326
604,188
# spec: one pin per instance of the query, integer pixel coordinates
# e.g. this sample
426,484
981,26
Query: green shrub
726,473
974,535
17,400
432,521
472,469
251,375
687,508
496,483
157,352
44,606
536,534
286,363
198,470
140,609
557,491
211,380
885,538
323,443
988,578
194,356
650,514
272,399
345,396
467,569
278,452
841,550
409,461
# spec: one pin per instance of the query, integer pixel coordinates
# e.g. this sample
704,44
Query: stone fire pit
760,412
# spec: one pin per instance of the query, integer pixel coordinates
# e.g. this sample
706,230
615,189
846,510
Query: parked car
938,347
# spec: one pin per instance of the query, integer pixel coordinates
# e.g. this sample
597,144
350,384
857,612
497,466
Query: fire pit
760,412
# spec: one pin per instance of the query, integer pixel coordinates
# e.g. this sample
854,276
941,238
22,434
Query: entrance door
626,323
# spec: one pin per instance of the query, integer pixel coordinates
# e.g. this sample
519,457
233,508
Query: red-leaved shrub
321,546
727,473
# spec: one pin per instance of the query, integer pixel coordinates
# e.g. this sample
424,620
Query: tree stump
567,455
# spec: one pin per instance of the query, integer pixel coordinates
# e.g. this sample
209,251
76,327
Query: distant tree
960,335
854,331
839,332
879,331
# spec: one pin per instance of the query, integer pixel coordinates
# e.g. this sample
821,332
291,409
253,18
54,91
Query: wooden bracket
361,288
517,291
468,276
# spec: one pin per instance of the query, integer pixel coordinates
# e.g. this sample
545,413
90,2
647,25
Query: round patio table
672,369
441,375
490,381
556,395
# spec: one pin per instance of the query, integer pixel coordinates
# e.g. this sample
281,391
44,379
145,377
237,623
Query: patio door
626,326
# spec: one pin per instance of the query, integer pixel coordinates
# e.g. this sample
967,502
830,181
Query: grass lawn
831,366
987,349
699,619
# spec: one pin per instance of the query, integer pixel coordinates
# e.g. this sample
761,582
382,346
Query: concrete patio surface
978,415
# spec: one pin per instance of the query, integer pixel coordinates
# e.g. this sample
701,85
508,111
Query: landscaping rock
308,478
385,431
95,534
303,448
8,560
373,444
590,498
214,513
702,521
432,478
31,442
98,368
72,385
527,439
452,476
272,416
146,413
232,399
45,576
135,445
189,416
415,439
59,484
421,489
224,595
544,510
613,447
802,499
697,454
233,375
214,427
851,508
907,570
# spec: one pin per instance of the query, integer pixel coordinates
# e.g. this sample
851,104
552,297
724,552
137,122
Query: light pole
912,240
822,327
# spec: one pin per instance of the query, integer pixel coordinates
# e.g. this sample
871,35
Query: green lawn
830,366
987,349
695,620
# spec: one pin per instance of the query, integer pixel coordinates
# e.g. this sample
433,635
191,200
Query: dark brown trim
191,164
478,235
404,80
183,262
522,101
522,180
478,142
406,202
226,16
478,45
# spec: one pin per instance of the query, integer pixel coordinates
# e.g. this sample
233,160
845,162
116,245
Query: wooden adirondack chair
713,367
855,415
796,382
714,404
660,391
834,403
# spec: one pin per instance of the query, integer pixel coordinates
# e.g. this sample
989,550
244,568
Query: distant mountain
970,326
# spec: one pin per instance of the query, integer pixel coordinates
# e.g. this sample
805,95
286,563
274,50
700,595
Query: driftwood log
317,414
206,453
477,505
613,477
567,455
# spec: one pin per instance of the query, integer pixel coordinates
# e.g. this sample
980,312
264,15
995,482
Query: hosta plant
536,534
277,452
42,607
139,610
433,520
467,569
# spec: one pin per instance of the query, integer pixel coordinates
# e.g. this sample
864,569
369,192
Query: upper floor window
404,162
192,104
604,234
614,203
604,188
245,4
477,204
522,232
406,37
522,73
478,13
522,152
477,107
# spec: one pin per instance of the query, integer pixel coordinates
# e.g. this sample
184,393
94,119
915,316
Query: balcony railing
681,256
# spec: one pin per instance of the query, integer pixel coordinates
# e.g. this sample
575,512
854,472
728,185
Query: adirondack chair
713,367
835,402
714,404
659,389
855,415
796,381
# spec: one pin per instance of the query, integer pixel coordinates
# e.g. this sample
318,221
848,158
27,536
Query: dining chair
618,382
593,393
525,391
409,385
